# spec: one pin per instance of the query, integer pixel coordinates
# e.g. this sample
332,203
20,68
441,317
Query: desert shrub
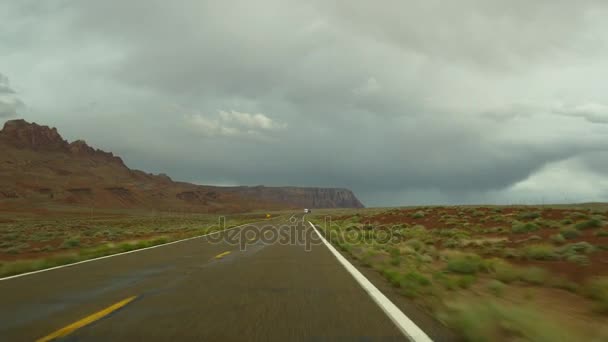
557,238
393,277
506,272
448,282
465,281
602,233
344,246
394,252
496,287
71,243
528,215
12,250
411,283
464,264
451,243
418,215
579,259
395,260
534,275
566,221
10,236
564,284
486,321
47,248
477,213
597,289
425,258
540,252
578,216
511,253
582,247
416,244
570,233
589,224
519,227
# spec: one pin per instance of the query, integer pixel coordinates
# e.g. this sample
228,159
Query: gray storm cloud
404,102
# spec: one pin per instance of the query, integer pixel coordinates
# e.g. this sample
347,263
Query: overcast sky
404,102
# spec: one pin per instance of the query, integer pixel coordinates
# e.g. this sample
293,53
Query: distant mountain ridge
37,166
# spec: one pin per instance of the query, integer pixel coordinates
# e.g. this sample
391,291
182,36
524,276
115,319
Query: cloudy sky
404,102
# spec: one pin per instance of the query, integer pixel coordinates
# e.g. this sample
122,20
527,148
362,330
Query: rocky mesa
40,168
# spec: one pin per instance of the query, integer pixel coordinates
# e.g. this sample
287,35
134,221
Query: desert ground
41,238
491,273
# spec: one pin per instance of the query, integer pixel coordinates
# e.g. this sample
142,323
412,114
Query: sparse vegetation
570,233
418,215
498,321
496,287
597,289
541,252
519,227
465,250
465,263
67,239
530,215
590,224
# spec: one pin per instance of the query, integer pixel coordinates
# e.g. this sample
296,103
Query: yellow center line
86,321
221,255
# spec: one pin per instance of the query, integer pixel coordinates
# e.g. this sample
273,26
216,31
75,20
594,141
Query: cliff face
24,135
38,166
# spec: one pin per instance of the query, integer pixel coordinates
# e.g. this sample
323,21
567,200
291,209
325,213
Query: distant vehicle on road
307,211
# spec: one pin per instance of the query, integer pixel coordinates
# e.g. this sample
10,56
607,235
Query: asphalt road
196,290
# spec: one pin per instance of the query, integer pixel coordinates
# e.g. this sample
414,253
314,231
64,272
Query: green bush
528,215
541,252
582,247
557,238
570,233
486,321
395,260
425,258
597,289
412,283
465,281
71,243
534,275
393,277
417,245
496,287
506,272
579,259
564,284
602,233
590,224
511,253
519,227
418,215
451,243
464,264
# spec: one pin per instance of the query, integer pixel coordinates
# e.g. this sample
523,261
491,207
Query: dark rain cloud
404,101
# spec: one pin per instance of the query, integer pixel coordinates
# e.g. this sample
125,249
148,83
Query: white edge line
117,254
407,327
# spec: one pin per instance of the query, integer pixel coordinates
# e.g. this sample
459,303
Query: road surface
200,289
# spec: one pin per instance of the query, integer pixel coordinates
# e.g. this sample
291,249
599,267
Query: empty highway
202,289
